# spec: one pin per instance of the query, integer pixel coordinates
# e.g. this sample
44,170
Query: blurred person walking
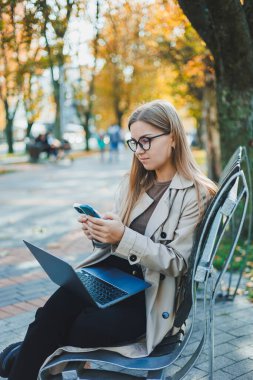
101,144
115,139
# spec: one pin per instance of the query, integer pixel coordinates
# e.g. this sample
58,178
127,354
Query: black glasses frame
139,143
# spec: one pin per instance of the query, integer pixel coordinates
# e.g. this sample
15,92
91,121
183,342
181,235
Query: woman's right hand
83,220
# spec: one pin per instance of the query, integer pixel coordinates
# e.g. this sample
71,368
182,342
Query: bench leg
211,330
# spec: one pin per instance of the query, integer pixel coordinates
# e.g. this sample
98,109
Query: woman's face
159,156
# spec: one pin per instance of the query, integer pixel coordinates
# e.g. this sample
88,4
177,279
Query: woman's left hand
108,229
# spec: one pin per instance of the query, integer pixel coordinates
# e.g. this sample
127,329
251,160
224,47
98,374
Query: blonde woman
149,234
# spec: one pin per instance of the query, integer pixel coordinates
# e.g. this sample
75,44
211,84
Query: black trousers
66,319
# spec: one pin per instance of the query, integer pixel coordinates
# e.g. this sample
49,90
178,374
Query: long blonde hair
161,114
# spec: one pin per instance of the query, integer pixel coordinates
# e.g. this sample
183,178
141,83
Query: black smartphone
86,209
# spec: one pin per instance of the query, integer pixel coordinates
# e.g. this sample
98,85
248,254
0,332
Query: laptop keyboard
100,291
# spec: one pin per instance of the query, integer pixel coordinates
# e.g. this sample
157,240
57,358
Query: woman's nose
139,149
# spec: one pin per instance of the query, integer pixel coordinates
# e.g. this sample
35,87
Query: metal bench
36,149
233,195
239,157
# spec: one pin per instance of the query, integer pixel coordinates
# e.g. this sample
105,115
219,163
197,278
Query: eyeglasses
144,142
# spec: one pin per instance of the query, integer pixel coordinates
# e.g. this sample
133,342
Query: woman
150,235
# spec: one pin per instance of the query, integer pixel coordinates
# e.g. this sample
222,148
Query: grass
22,158
236,263
80,154
5,171
238,257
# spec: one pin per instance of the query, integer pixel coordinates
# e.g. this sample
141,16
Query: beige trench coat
164,257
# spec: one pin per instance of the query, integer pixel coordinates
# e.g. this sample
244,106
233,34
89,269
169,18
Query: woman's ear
173,143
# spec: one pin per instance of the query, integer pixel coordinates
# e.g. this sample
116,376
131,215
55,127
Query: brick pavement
23,284
21,295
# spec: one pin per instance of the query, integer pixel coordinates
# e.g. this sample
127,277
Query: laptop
99,285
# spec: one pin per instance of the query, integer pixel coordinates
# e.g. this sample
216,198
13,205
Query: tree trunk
87,131
9,134
116,103
119,118
200,132
29,127
211,137
87,144
57,121
226,28
235,109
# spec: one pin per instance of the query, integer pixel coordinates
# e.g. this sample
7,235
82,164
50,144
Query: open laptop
99,285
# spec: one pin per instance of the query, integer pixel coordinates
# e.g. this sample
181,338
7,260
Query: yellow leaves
249,284
195,69
146,49
149,49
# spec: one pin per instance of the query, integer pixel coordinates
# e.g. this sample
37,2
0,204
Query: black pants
65,319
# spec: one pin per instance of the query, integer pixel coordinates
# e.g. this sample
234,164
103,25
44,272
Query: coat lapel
160,213
144,202
162,210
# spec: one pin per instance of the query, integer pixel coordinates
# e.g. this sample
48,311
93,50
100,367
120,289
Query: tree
177,44
32,99
122,50
84,89
10,71
227,29
55,19
20,52
33,64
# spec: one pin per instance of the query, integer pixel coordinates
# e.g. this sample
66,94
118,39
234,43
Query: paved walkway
36,205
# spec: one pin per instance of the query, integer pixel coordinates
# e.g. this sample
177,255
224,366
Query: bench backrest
208,230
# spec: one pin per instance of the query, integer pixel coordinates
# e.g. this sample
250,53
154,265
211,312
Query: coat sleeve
169,258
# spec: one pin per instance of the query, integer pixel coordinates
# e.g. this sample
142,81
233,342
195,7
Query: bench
233,195
35,148
241,155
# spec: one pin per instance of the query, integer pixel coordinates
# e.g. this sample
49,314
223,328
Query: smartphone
86,209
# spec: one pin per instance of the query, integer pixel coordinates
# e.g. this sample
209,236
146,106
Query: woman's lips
143,159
